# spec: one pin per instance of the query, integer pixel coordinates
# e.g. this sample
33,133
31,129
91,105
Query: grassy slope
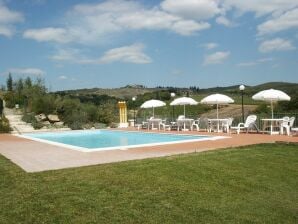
290,88
252,185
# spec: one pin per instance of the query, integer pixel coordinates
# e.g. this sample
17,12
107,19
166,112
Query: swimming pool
96,140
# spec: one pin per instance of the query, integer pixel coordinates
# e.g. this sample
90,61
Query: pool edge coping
87,150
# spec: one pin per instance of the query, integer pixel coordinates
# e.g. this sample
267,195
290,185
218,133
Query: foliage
1,107
30,118
108,113
83,108
4,125
288,106
9,83
256,184
263,109
75,110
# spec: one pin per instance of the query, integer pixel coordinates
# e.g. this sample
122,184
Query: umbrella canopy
217,99
183,101
152,104
271,95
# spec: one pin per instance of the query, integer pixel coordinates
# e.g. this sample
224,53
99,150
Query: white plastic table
218,121
185,121
274,122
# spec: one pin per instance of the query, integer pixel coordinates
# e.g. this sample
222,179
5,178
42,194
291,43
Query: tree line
34,98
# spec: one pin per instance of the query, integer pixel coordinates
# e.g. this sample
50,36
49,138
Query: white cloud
129,54
7,19
147,19
26,71
247,64
282,22
254,63
188,27
47,34
210,45
192,9
261,60
277,44
98,23
62,77
260,7
222,20
216,58
66,55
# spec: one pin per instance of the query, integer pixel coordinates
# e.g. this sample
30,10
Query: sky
73,44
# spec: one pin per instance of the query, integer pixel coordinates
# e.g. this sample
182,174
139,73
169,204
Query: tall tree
28,82
9,82
1,107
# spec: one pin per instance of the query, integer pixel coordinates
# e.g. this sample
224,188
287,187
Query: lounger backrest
180,117
230,121
251,119
285,121
292,119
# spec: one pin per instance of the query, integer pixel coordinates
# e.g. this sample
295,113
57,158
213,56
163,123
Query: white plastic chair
164,126
196,124
227,124
249,122
288,124
180,122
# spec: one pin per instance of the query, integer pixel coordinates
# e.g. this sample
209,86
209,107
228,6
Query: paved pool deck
34,156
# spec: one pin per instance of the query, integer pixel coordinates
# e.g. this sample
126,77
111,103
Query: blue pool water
108,139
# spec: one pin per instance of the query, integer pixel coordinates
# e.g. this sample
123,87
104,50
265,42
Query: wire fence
172,117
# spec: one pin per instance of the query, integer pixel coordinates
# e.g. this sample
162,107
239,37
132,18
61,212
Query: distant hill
134,90
284,86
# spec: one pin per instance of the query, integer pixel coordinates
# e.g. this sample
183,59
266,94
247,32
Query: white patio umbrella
217,99
271,95
152,104
183,101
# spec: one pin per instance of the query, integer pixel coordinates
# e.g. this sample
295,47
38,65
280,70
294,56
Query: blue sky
83,44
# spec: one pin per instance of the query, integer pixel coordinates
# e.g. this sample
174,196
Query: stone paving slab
34,156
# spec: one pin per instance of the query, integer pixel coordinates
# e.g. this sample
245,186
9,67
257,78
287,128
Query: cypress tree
9,82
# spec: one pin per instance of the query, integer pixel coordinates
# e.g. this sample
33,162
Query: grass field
257,184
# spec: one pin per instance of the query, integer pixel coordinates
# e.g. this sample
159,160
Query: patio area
34,156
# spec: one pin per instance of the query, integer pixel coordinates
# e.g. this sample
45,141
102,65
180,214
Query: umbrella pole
217,117
272,109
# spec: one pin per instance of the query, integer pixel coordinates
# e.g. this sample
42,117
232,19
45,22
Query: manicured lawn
257,184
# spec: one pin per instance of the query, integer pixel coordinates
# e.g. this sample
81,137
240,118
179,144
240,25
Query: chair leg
288,130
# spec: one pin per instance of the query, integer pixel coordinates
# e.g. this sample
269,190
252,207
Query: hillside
134,90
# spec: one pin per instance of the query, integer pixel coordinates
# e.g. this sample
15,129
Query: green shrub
100,125
76,125
9,98
262,109
113,125
37,125
29,118
4,125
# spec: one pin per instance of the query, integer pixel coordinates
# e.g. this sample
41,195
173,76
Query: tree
19,89
28,82
9,82
1,107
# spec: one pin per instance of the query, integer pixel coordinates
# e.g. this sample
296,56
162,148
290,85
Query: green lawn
257,184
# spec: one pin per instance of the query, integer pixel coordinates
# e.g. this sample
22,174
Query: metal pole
242,106
173,114
134,116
